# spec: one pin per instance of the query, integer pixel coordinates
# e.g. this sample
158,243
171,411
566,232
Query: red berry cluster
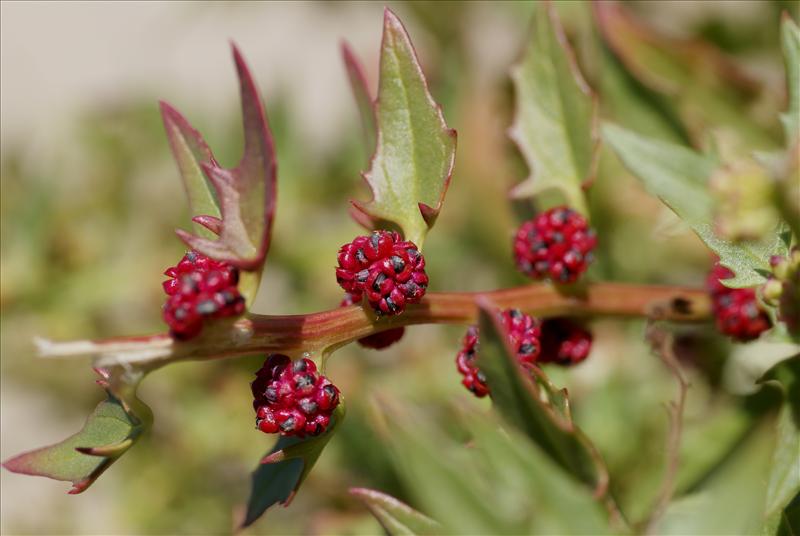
737,311
389,271
199,288
523,334
557,244
376,341
564,342
292,397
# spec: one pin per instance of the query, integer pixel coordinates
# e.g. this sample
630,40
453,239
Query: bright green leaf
555,123
415,152
396,517
519,400
678,177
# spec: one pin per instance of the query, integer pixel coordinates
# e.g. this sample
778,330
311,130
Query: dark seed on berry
527,348
308,406
305,381
397,264
360,256
362,276
288,424
376,286
271,394
300,365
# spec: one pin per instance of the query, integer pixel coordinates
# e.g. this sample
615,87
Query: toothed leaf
678,176
246,193
415,150
396,517
110,430
519,399
555,123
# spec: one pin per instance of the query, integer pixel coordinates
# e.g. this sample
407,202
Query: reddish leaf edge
259,151
359,210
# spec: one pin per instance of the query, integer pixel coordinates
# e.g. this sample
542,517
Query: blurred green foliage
87,229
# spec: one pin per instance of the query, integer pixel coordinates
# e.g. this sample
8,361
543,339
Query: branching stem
323,332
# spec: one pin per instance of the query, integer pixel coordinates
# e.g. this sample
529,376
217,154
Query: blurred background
89,197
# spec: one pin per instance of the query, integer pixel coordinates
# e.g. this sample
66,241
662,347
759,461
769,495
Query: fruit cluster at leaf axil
736,310
782,290
292,397
384,268
523,336
376,341
200,288
557,245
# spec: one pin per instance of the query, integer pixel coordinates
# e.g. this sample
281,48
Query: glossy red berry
737,311
376,341
292,398
387,270
564,342
557,244
199,288
523,334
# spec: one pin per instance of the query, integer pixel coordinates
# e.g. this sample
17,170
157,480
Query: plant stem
325,331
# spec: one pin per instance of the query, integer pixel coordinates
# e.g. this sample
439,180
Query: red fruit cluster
556,244
564,342
523,334
292,397
737,311
376,341
389,271
199,288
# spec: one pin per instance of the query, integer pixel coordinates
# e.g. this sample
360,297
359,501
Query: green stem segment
323,332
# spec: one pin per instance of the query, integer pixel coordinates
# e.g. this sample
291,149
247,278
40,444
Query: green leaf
415,150
396,517
538,411
283,470
191,152
358,82
705,87
678,177
790,39
555,126
501,483
732,500
246,193
784,475
108,433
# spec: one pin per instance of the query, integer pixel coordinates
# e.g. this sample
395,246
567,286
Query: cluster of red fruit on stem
523,336
376,341
292,398
557,244
556,340
199,288
385,269
737,311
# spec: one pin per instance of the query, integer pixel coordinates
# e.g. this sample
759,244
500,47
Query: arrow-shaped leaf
284,468
415,150
396,517
245,194
521,401
555,126
109,431
678,176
